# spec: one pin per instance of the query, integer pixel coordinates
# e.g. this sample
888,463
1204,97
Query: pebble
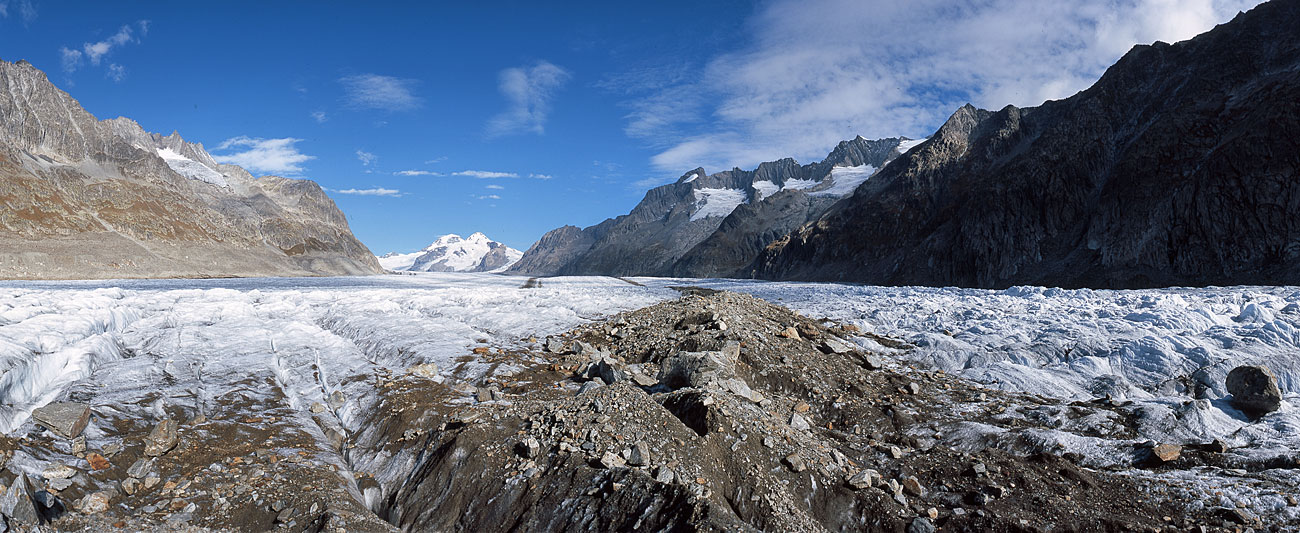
795,462
58,471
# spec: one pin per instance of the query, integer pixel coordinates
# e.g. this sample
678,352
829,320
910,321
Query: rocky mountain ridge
451,253
1178,167
710,224
88,198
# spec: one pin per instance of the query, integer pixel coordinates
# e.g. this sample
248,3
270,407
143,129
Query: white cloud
438,159
528,92
821,71
319,117
95,52
540,176
494,187
373,91
26,10
377,191
489,197
417,173
116,72
366,158
485,174
268,156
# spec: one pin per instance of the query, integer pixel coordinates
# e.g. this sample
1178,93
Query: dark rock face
690,227
1254,390
1177,167
87,198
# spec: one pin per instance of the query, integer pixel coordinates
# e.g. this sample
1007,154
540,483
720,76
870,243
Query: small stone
554,345
337,399
832,345
932,513
795,462
644,380
895,452
913,388
483,394
1291,500
799,423
605,371
789,333
130,485
978,469
426,370
58,484
912,486
590,386
67,419
864,480
801,407
920,525
528,448
318,408
162,439
58,471
78,445
639,456
769,441
664,475
97,461
96,502
151,480
610,460
1165,453
140,468
872,362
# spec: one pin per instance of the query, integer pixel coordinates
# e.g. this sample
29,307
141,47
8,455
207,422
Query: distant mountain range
1180,166
451,253
85,198
711,224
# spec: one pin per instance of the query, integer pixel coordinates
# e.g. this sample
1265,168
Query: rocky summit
710,224
714,411
87,198
1178,167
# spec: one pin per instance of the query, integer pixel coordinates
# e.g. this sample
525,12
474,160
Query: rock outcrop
1178,167
86,198
710,224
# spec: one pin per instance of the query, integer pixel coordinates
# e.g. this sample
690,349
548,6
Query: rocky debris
865,479
638,455
58,471
528,448
96,502
1254,390
921,525
162,438
67,419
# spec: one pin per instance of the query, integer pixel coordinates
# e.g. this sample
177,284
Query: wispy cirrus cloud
820,71
494,187
94,53
319,116
485,174
417,173
366,158
25,8
385,93
528,92
267,156
376,191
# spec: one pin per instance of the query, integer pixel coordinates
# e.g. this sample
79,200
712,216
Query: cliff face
1178,167
85,198
710,224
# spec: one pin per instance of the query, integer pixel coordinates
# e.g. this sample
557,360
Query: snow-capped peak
452,253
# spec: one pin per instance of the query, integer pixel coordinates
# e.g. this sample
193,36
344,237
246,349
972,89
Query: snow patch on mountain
190,168
691,177
452,253
845,180
765,188
905,146
799,185
716,202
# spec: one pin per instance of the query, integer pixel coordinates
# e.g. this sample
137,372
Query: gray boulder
68,419
19,503
1254,390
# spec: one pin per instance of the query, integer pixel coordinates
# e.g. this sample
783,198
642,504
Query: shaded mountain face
1180,166
451,253
710,224
86,198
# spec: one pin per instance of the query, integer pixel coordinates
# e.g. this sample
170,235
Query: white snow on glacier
125,346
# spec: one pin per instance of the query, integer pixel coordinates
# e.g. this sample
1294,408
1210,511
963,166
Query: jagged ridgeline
1180,166
85,198
711,224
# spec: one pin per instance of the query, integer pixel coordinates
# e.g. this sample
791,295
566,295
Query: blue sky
519,117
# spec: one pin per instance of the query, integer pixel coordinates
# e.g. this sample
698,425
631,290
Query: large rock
699,369
162,439
68,419
1254,390
19,503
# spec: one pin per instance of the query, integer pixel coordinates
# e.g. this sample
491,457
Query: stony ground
715,411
